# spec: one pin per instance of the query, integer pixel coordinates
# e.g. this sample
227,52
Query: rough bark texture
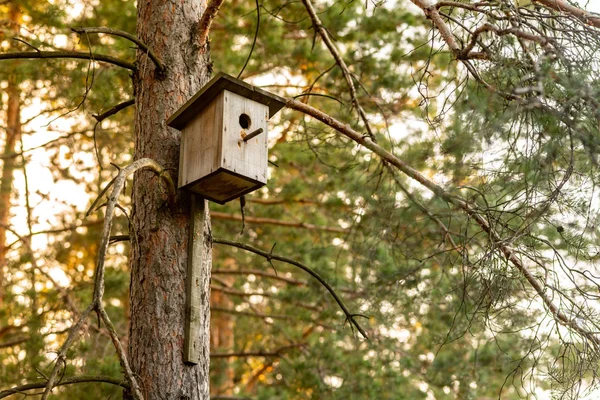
12,135
160,229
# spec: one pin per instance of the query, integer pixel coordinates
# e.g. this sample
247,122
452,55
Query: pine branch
496,241
564,7
68,54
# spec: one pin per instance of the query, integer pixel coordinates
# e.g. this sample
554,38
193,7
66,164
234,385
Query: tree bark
12,135
160,227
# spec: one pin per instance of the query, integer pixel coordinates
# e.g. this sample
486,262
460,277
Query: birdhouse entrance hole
245,121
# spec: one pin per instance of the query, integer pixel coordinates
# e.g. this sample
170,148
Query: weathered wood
218,159
201,143
245,158
219,83
197,309
160,225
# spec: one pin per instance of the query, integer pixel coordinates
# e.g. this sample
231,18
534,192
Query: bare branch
250,314
67,54
320,29
160,67
258,273
117,184
270,256
14,341
65,381
281,201
114,110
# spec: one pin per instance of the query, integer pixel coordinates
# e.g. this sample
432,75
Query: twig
114,110
253,40
270,256
102,117
160,67
67,54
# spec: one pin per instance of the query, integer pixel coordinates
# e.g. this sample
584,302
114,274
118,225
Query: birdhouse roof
212,89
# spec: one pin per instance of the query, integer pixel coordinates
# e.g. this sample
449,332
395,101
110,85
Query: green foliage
446,314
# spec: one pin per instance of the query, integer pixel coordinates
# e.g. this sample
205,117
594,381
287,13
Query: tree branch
250,314
65,381
495,240
270,256
114,110
206,21
562,6
14,341
160,67
320,29
67,54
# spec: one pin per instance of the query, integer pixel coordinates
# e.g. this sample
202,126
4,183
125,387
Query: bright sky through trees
442,181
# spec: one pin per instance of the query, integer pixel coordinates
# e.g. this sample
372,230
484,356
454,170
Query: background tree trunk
12,135
160,230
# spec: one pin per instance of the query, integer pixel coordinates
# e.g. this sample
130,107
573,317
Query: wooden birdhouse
224,138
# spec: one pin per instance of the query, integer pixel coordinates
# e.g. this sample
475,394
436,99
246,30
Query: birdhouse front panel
242,119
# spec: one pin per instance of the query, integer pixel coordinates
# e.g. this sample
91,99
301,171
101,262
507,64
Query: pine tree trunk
160,230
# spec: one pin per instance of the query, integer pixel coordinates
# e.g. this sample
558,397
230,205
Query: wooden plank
201,143
197,310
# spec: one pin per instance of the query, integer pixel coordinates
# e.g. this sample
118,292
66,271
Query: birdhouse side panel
201,143
242,117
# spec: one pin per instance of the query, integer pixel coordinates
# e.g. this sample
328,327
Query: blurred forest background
511,128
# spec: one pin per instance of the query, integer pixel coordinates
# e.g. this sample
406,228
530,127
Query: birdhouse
224,138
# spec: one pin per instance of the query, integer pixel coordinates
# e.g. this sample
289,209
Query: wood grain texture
201,143
245,158
216,160
197,309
